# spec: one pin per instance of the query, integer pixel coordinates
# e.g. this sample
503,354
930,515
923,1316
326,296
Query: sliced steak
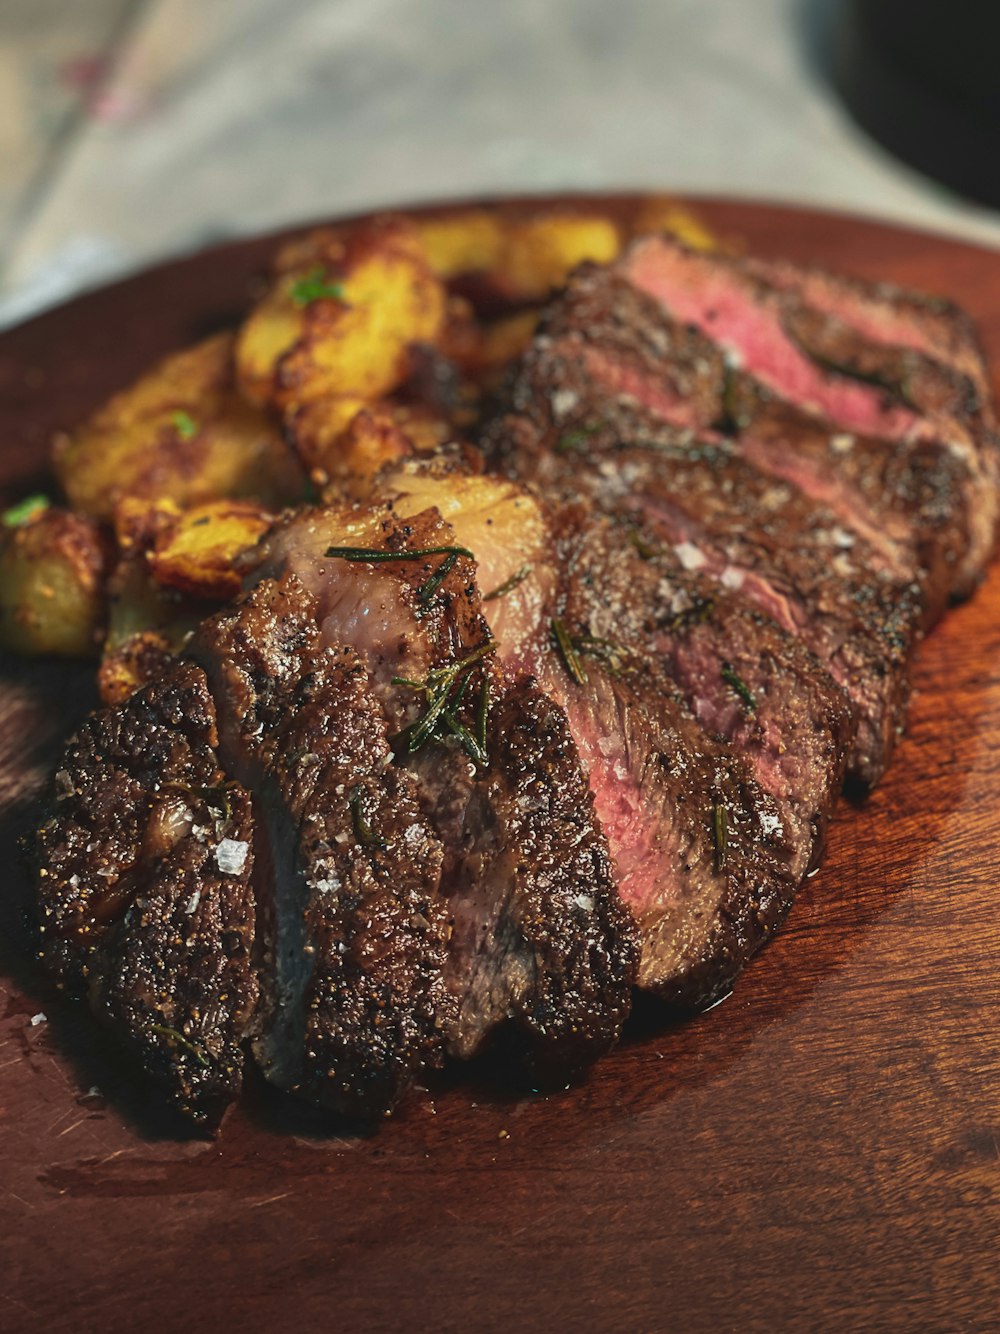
916,500
890,315
701,854
850,602
353,923
827,367
145,888
539,936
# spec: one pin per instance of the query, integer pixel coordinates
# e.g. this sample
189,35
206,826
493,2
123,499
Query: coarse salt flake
39,1018
231,856
689,556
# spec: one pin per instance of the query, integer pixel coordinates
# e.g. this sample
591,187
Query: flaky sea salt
231,856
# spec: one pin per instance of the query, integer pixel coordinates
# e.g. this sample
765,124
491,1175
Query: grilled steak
539,935
353,923
466,762
830,368
145,888
705,857
855,606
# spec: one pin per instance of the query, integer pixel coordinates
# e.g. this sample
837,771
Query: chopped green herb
698,612
483,713
567,650
314,287
509,585
179,1040
644,548
612,655
430,585
363,831
444,689
24,511
739,686
574,439
720,834
184,424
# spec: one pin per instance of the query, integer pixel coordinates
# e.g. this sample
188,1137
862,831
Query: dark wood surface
820,1152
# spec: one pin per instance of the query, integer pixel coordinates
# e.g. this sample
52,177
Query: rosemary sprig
644,548
568,652
444,689
574,439
510,584
314,286
363,831
483,713
378,555
738,685
179,1040
720,834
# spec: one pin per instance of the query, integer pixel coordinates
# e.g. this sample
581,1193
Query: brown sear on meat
539,937
835,370
353,923
145,894
700,852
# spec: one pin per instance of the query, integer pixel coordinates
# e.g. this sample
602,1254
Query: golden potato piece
539,252
468,242
52,567
660,213
344,442
198,554
342,326
181,432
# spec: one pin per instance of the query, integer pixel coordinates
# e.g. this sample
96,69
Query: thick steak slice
539,936
828,368
701,855
848,601
145,888
893,316
353,924
927,508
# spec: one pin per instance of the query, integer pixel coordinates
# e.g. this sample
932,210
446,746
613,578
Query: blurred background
135,129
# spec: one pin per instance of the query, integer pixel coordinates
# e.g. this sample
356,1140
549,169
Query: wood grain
820,1152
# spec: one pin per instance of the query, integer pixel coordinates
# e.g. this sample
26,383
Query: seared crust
144,888
356,927
540,935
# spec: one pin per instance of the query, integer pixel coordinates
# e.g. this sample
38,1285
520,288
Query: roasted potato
136,660
181,432
198,553
342,326
466,242
660,213
52,569
343,442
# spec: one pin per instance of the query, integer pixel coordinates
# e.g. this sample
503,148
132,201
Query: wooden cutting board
820,1152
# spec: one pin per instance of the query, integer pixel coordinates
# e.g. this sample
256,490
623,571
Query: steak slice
830,369
145,888
916,500
353,924
890,315
851,603
538,934
701,855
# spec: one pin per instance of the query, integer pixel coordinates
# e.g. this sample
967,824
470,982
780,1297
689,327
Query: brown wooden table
820,1152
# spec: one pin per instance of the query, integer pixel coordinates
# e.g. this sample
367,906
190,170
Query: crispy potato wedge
181,432
660,213
199,553
467,242
341,327
540,252
343,442
52,570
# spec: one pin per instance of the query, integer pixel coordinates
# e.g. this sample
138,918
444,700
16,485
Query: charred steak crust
356,928
144,888
539,933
